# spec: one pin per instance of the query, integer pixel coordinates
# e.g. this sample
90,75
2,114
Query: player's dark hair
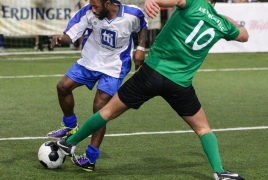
213,1
103,1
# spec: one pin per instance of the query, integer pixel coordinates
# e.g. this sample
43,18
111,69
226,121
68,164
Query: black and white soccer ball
50,156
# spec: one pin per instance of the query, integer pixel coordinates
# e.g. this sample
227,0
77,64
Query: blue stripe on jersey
121,11
87,34
76,18
116,2
126,59
136,12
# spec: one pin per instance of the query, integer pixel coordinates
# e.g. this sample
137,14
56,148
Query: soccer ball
50,156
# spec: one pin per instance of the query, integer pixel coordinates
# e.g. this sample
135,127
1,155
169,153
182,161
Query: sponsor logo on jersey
108,38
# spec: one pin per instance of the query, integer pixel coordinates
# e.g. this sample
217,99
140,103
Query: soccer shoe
62,132
227,175
68,150
83,162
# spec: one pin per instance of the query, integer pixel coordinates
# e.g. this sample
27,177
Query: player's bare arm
243,35
139,54
152,7
58,40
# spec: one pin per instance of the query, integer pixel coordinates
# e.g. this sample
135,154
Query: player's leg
66,100
107,87
95,125
185,102
40,43
49,43
75,77
88,160
100,100
92,151
36,42
198,122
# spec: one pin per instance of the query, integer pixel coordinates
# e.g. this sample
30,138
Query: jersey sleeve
141,20
188,3
79,23
231,32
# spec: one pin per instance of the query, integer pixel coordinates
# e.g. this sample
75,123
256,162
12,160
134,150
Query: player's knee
100,101
62,88
98,105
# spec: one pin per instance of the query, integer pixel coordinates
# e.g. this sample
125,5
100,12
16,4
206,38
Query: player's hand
56,41
138,58
151,8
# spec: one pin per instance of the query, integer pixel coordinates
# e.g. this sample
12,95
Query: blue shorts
106,83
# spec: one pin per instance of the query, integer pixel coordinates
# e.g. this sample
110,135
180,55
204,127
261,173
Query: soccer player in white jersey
107,26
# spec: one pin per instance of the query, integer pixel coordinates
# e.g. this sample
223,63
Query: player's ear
108,3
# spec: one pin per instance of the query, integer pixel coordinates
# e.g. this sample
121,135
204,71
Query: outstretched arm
152,7
243,35
139,55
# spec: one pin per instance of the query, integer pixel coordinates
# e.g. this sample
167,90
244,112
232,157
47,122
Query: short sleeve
231,32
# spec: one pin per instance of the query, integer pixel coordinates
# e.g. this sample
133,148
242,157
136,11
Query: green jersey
184,42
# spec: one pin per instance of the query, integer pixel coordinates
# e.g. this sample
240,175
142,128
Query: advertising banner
254,17
35,17
44,17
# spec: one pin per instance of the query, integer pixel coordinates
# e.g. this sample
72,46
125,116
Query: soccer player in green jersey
174,58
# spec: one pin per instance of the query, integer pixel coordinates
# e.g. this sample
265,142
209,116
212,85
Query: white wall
254,16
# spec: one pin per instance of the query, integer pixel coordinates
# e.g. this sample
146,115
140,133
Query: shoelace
62,127
84,157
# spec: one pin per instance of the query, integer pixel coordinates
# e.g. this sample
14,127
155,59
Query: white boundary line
39,58
200,70
148,133
30,76
39,53
234,69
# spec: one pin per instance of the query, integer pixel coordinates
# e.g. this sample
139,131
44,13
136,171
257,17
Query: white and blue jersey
108,44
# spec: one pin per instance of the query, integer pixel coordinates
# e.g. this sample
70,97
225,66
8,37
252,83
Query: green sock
93,124
210,147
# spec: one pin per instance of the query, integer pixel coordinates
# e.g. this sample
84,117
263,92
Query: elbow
245,38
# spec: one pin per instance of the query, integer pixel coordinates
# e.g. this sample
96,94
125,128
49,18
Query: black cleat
227,175
68,150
